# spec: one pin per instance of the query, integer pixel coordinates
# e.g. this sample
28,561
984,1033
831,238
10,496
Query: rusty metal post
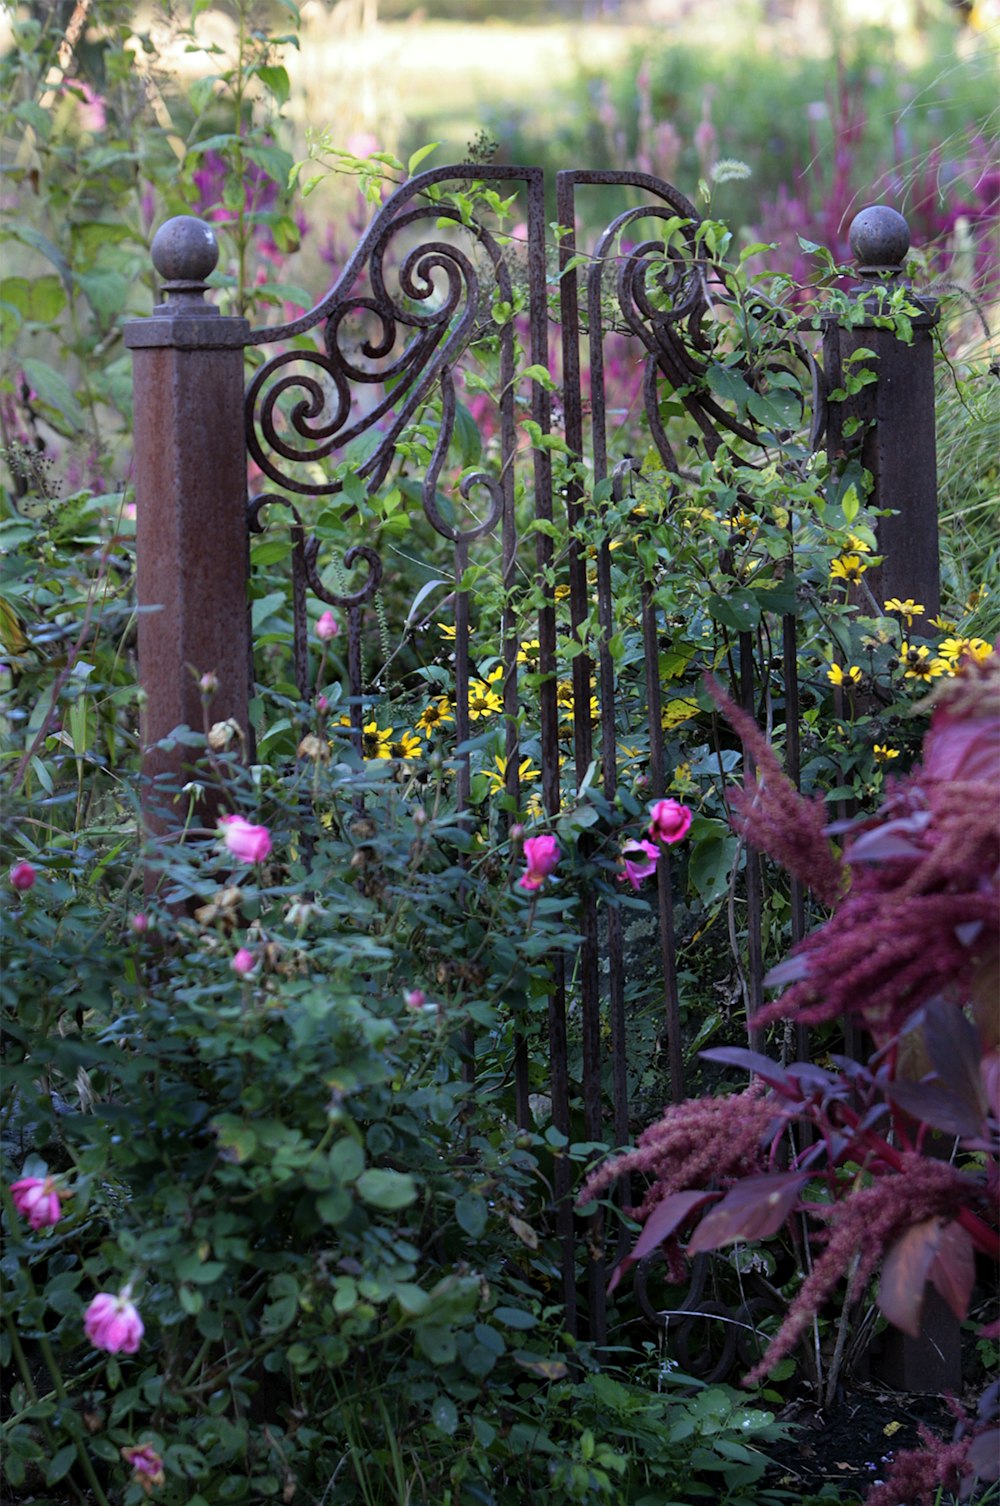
191,493
895,413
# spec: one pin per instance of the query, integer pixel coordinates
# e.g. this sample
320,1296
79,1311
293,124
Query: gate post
191,521
896,413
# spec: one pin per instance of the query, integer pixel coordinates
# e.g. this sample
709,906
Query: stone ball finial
880,239
184,253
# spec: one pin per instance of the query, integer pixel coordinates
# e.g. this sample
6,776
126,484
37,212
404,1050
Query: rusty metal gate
439,274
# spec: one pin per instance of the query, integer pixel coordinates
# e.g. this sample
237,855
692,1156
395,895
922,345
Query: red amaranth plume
916,1476
865,1225
771,814
921,915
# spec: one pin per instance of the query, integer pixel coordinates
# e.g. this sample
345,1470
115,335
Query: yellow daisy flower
920,664
561,593
849,568
483,699
908,608
498,777
408,746
858,546
434,716
527,654
955,649
447,630
375,740
883,753
838,675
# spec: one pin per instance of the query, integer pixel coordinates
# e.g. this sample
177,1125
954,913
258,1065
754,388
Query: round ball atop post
185,252
880,239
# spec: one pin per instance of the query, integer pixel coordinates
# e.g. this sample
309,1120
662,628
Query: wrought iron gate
440,275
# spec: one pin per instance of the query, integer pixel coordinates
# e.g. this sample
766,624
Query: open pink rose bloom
113,1323
247,843
640,859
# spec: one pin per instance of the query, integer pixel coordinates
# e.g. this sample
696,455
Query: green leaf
444,1415
728,384
54,390
39,299
275,162
472,1214
740,610
61,1463
436,1343
467,436
347,1160
334,1206
387,1189
275,80
514,1317
419,155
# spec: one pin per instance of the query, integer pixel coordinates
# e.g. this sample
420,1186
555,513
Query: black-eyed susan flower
849,568
375,740
497,776
483,699
527,654
956,649
838,675
408,745
434,716
884,754
919,663
908,608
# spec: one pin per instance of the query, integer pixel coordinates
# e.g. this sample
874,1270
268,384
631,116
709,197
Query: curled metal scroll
711,1339
667,296
434,309
305,575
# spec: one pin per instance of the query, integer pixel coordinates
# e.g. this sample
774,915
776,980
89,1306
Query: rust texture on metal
419,305
895,412
190,480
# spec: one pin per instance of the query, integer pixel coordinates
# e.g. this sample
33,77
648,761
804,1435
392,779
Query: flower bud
244,962
139,922
327,627
23,876
208,685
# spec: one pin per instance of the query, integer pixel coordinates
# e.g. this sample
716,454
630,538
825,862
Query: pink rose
669,821
541,855
414,998
248,844
139,922
38,1200
640,859
327,627
147,1466
113,1323
23,876
244,962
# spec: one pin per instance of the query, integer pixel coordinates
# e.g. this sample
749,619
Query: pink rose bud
669,821
322,705
414,998
327,627
38,1201
112,1323
139,922
23,876
541,855
516,834
208,684
248,844
244,962
147,1467
640,859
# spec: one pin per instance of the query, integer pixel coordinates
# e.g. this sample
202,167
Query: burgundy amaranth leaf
953,1047
934,1104
667,1216
904,1274
751,1061
953,1270
753,1209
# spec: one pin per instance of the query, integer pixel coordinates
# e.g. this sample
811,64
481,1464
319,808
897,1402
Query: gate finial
880,239
185,252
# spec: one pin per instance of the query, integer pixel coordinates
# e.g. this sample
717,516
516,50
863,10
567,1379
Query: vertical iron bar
582,676
549,733
755,959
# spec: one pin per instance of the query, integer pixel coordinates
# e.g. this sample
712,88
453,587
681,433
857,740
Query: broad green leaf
54,390
387,1189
